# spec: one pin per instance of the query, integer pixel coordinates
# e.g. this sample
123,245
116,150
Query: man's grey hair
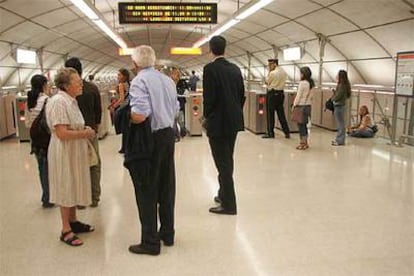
144,56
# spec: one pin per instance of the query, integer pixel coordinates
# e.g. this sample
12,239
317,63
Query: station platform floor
325,211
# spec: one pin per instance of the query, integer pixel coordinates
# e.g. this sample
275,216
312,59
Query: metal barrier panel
23,131
194,113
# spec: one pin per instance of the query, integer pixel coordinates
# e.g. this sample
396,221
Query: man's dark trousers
154,184
222,149
274,101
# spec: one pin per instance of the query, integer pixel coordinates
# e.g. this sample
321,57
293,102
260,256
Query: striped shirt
154,95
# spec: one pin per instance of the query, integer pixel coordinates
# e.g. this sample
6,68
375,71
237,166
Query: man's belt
275,91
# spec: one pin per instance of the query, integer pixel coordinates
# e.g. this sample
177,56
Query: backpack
40,132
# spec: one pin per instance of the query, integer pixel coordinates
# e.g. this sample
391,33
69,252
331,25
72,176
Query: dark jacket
90,105
223,98
122,117
342,93
139,148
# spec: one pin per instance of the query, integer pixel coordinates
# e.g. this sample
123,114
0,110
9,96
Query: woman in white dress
69,177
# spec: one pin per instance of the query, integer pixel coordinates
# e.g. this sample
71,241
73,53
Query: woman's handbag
297,114
92,155
329,105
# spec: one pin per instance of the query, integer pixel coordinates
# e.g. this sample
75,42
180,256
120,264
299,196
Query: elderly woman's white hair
144,56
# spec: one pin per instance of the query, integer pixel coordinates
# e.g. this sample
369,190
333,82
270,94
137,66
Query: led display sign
171,13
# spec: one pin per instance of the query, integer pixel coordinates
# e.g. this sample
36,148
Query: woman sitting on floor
365,127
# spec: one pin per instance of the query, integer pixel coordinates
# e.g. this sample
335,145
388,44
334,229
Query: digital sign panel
171,13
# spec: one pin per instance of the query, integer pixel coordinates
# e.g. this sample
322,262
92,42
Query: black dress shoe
139,249
267,136
48,205
167,242
217,199
221,211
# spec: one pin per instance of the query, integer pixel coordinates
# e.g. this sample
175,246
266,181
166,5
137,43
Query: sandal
79,227
70,241
302,147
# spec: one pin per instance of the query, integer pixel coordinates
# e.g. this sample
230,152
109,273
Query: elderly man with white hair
153,97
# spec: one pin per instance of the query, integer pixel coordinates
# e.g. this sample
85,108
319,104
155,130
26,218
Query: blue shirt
153,95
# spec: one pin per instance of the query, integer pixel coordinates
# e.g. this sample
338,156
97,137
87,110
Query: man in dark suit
90,105
223,99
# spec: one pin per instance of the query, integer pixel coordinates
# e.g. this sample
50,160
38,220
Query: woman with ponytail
36,99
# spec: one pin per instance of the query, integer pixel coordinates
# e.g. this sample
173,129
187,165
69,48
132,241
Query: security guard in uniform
274,98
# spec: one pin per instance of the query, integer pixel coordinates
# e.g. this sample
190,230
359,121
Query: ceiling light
90,11
110,33
202,41
125,51
185,51
224,27
252,9
85,9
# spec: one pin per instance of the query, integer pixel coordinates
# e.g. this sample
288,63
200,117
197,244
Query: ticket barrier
321,117
7,116
22,131
256,111
194,113
287,106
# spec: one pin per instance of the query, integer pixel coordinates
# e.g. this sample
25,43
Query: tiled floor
325,211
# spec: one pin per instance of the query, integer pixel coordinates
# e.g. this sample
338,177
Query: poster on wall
404,82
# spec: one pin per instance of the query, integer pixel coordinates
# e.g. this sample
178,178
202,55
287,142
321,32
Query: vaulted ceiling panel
58,17
326,2
275,38
357,46
263,56
266,18
326,22
22,32
258,42
250,28
238,33
43,39
295,32
31,8
394,37
292,8
372,69
8,19
370,13
61,45
72,26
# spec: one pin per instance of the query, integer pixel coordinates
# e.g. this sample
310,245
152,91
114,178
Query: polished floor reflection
324,211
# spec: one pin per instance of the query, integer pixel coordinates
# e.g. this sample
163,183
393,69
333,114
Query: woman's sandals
80,227
69,239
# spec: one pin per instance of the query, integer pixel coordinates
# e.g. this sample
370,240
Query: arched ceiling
362,36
